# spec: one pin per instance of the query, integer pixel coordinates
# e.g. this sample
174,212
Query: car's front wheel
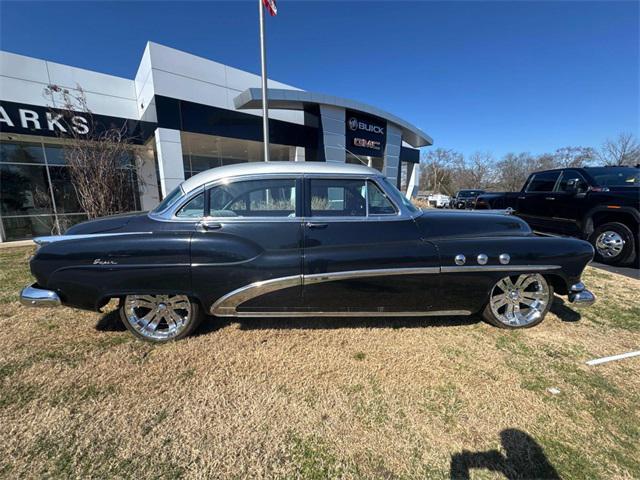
519,301
160,318
614,243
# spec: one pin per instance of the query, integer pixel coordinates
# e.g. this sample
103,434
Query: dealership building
183,114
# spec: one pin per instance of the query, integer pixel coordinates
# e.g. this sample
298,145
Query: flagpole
265,105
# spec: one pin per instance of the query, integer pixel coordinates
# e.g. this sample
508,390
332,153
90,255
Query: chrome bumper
580,296
32,296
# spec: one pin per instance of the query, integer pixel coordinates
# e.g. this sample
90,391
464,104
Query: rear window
543,182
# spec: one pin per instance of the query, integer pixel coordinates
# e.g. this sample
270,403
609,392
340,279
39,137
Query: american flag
270,5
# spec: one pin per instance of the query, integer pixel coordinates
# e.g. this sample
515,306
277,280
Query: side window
379,204
338,198
254,198
193,209
572,182
543,182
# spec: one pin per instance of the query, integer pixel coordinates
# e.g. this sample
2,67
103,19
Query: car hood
113,223
461,224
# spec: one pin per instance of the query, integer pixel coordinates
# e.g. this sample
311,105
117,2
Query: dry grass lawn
320,398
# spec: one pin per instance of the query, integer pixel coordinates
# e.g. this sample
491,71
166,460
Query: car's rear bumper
580,296
34,296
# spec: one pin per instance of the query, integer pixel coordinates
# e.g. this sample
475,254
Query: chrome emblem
99,261
504,258
353,123
483,259
460,259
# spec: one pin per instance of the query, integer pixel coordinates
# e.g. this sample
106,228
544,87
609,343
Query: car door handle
521,198
549,198
210,225
317,225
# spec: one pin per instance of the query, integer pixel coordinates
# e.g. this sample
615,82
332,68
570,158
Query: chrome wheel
520,300
609,244
158,317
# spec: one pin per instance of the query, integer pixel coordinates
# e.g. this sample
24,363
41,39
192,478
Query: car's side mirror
572,186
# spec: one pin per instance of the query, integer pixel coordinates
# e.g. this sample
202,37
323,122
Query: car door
535,204
569,203
362,252
246,253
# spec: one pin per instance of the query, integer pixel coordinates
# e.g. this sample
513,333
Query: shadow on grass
523,458
322,323
110,322
560,309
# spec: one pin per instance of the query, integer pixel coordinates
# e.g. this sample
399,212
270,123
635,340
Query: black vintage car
465,199
303,239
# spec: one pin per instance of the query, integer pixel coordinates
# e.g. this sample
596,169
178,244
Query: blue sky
489,76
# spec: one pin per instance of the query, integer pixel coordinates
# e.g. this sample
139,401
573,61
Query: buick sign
355,124
365,134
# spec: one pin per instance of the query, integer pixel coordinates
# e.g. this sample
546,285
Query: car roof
260,168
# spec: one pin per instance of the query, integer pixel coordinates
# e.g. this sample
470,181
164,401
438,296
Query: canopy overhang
283,99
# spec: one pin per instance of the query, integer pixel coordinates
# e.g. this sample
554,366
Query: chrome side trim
499,268
226,305
32,296
440,313
352,274
60,238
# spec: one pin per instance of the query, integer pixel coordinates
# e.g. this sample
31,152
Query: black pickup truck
598,204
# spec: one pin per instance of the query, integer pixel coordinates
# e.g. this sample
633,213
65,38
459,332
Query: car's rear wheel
613,243
519,301
160,318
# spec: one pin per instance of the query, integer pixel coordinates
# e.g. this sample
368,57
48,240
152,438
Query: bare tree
436,170
567,157
624,150
513,170
475,172
99,157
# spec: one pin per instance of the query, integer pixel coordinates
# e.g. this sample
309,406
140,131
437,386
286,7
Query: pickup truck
465,199
598,204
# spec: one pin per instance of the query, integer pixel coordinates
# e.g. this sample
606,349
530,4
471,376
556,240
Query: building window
36,194
202,152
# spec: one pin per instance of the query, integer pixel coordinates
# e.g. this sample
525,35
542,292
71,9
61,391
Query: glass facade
202,152
374,162
36,194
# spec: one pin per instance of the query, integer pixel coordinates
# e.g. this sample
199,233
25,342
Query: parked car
437,200
466,199
287,239
598,204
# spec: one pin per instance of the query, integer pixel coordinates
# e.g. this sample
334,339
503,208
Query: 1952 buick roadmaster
309,239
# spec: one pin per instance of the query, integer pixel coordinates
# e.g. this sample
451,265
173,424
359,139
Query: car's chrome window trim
169,215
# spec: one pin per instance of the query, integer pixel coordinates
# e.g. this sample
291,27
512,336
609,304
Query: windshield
469,193
616,176
398,195
169,200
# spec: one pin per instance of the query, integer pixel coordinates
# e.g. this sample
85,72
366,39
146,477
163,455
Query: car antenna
366,164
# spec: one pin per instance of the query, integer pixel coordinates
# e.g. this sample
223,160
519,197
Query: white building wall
188,77
170,166
23,80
